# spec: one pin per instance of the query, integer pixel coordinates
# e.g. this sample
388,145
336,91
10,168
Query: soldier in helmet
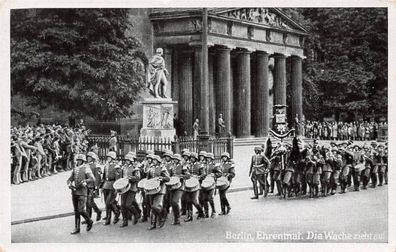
185,163
128,199
198,170
228,170
93,186
111,173
77,182
258,170
144,167
208,195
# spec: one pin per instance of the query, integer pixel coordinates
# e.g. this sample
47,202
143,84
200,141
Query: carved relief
197,24
284,38
259,15
268,35
229,28
250,32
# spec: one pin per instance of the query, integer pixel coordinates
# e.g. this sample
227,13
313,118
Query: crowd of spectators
43,150
342,130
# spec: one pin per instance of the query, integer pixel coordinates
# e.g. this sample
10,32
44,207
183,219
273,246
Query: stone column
262,95
223,87
197,81
243,125
280,79
296,83
212,96
185,90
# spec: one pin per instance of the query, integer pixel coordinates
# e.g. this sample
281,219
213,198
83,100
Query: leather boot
76,224
161,220
222,205
124,222
108,217
176,217
153,218
117,216
189,216
99,215
89,224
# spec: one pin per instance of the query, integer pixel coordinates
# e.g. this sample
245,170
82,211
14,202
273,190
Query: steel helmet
226,154
81,157
112,154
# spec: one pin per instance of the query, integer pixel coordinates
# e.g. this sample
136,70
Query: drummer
168,162
156,170
175,195
202,162
207,195
144,167
196,169
111,173
228,170
186,165
128,199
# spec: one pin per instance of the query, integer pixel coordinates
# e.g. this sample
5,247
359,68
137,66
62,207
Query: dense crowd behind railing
40,151
342,130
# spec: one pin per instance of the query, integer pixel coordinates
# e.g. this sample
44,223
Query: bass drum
152,186
208,183
122,185
141,183
222,183
192,184
174,183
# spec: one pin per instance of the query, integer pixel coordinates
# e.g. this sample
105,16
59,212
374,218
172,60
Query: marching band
175,181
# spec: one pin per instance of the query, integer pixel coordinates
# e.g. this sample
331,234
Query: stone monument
157,110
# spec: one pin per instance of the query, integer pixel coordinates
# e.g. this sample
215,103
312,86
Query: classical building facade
224,60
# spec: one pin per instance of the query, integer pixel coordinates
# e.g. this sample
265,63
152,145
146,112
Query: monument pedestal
158,118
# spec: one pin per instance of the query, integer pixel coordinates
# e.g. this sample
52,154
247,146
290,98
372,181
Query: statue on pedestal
156,75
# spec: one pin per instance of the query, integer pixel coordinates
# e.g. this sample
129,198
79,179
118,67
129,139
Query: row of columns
219,92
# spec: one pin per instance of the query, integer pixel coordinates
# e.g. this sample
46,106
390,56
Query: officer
93,186
258,171
77,182
128,199
228,170
111,173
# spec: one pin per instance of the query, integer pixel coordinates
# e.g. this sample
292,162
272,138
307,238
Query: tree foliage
346,66
76,59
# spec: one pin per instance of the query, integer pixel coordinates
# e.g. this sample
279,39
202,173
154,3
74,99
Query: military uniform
196,169
175,195
92,186
157,200
110,174
128,199
258,172
77,181
208,195
227,170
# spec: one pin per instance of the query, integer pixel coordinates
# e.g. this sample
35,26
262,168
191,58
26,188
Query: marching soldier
111,173
337,165
196,169
144,167
175,194
207,195
168,162
347,162
156,170
77,182
258,171
227,170
186,163
368,166
93,186
128,199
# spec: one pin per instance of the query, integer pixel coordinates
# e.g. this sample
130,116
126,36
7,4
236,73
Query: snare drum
122,185
152,186
192,184
222,183
208,183
174,183
141,183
